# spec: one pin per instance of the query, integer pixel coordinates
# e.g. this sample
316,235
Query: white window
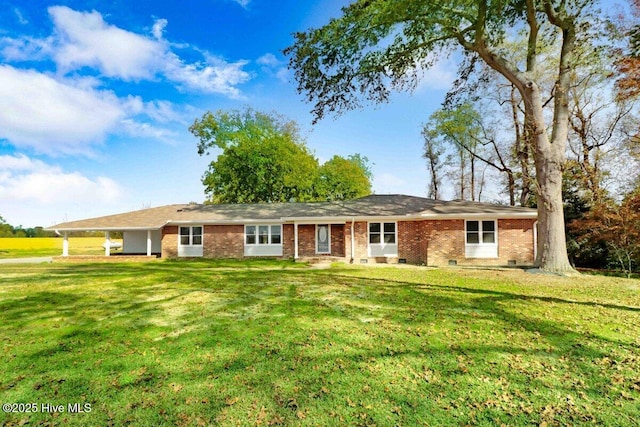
191,236
190,241
263,234
481,240
263,240
383,239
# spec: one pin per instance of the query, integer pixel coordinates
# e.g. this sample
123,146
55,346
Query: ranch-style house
372,229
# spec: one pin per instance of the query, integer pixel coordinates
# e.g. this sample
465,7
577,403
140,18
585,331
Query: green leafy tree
378,46
458,126
343,179
262,158
6,230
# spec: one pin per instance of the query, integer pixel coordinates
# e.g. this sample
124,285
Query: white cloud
158,28
23,179
164,111
25,49
213,76
268,59
66,116
52,116
243,3
20,17
85,39
147,130
439,76
274,67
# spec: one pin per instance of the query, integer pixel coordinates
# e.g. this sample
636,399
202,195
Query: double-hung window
190,241
263,240
481,240
383,239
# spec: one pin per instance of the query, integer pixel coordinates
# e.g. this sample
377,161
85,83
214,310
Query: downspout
535,241
353,243
295,240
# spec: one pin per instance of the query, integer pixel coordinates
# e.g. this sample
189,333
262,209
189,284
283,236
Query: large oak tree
378,46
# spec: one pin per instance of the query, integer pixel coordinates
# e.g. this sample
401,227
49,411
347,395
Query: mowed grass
20,247
192,343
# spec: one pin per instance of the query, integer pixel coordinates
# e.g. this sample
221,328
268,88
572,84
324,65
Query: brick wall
288,241
307,241
412,241
445,241
170,241
223,241
515,240
433,242
337,240
361,235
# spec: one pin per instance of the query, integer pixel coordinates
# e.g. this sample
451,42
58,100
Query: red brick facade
307,241
425,242
170,241
223,241
412,241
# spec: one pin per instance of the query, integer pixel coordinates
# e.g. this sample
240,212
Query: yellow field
46,246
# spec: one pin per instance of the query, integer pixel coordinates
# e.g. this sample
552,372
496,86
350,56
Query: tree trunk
550,156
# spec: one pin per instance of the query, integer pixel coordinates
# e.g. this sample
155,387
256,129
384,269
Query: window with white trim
383,239
382,232
481,232
481,240
191,236
263,234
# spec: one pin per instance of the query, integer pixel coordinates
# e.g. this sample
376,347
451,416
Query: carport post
148,242
107,244
65,244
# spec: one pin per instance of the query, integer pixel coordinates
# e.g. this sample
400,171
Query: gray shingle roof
393,205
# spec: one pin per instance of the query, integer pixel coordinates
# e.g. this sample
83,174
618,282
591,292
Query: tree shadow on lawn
259,325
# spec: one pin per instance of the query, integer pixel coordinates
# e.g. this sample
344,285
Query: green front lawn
273,343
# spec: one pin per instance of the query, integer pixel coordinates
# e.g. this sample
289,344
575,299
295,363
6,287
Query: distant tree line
8,230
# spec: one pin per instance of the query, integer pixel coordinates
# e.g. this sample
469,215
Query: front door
323,239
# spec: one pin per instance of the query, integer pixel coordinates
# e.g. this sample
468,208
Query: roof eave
55,228
499,215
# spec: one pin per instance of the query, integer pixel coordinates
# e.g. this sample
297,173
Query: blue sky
97,97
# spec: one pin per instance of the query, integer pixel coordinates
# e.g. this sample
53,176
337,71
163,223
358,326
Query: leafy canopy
377,46
343,179
263,159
